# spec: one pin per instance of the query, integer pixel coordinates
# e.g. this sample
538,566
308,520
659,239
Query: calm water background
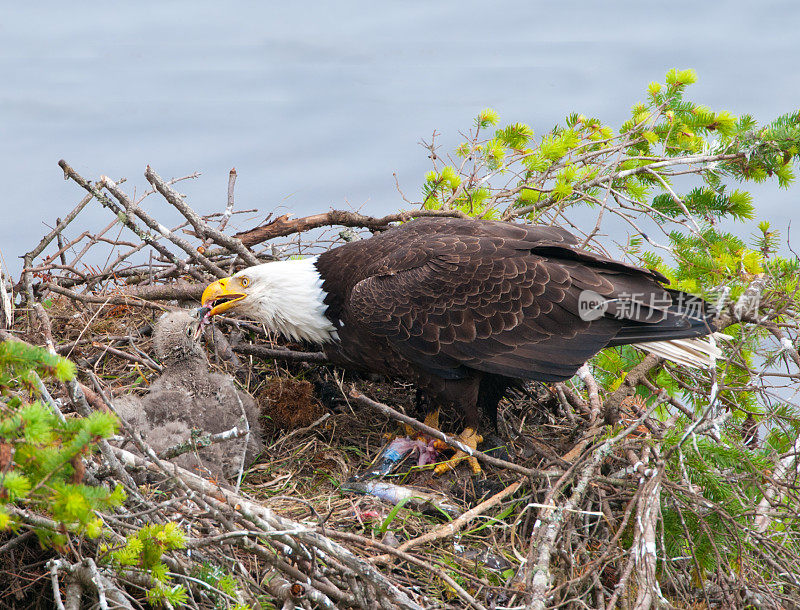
318,104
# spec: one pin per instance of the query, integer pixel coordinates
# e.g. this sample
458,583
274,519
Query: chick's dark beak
200,315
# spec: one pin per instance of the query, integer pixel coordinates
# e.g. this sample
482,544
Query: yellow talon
431,420
471,439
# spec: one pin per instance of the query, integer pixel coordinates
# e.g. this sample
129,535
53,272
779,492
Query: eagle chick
188,396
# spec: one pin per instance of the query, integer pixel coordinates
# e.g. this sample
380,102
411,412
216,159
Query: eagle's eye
245,282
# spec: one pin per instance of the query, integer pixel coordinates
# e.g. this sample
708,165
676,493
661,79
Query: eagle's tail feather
698,352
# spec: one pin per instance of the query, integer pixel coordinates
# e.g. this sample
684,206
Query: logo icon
591,306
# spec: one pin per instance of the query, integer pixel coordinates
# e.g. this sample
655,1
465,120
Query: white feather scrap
698,353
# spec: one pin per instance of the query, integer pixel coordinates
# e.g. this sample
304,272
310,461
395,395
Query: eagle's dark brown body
465,308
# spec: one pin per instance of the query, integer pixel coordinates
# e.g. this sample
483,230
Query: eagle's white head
285,296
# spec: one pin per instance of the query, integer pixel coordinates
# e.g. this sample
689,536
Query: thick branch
284,225
105,300
279,354
180,291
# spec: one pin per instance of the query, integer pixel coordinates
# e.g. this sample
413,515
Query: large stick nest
567,513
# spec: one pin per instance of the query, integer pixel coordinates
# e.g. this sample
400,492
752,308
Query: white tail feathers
698,353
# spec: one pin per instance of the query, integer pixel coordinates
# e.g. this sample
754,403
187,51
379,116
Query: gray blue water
317,104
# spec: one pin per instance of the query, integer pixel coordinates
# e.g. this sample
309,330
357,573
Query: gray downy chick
189,396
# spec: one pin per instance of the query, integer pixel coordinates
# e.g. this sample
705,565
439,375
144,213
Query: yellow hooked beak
220,297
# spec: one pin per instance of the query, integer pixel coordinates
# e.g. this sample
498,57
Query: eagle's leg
470,438
423,405
464,395
431,420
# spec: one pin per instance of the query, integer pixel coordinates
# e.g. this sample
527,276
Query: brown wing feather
507,315
501,298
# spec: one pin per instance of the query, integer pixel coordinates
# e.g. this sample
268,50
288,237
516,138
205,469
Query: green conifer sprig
43,469
144,550
665,127
727,476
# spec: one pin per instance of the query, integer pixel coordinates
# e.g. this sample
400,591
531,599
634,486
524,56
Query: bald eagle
467,309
